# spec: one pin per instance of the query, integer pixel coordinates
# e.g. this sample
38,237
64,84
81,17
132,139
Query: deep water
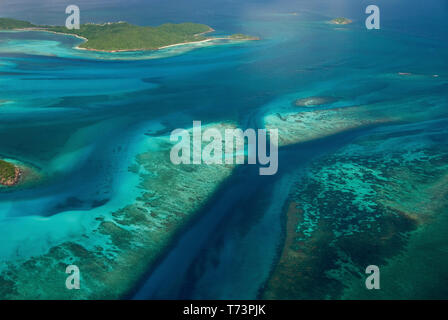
81,118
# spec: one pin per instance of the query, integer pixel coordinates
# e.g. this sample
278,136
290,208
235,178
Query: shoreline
11,182
26,175
78,47
138,250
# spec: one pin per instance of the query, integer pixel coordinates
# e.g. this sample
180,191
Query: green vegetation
121,35
7,171
341,21
9,24
124,36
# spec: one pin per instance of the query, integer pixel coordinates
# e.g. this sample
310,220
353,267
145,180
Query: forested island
122,36
9,173
10,24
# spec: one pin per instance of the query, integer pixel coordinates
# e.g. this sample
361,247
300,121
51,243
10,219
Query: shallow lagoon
83,121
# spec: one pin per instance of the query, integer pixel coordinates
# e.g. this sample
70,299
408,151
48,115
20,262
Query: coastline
78,47
139,49
27,175
155,221
11,182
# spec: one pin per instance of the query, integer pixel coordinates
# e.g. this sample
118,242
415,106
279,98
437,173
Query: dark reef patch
357,208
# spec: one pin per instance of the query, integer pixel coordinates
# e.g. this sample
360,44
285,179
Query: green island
9,173
11,24
341,21
122,36
129,240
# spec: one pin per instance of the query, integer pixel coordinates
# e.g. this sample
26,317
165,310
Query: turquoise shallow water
81,118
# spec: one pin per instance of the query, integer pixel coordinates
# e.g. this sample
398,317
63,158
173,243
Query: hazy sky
51,8
414,16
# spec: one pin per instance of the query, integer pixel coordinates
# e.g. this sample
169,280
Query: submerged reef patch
314,101
306,125
360,207
122,245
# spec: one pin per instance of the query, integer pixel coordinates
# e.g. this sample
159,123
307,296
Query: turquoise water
81,118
